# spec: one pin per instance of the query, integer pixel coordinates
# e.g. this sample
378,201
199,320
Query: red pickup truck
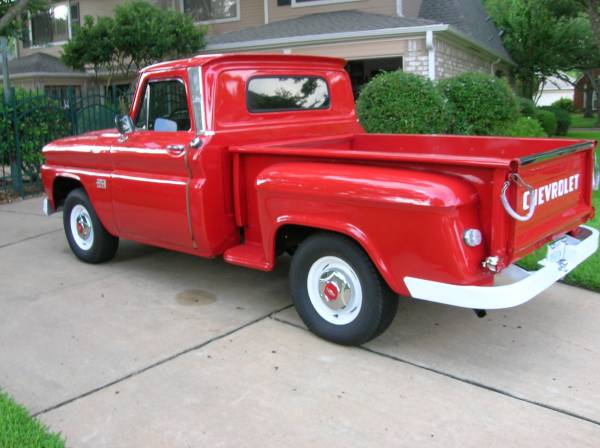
252,156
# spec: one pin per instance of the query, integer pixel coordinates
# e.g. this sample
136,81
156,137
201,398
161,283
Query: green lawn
587,274
19,430
579,121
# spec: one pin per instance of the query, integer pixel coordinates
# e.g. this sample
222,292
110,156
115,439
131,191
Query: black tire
378,306
95,246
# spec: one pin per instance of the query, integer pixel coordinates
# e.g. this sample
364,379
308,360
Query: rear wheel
337,291
87,237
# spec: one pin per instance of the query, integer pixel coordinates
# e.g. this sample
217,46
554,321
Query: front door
150,172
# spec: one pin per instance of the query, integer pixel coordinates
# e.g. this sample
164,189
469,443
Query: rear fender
410,223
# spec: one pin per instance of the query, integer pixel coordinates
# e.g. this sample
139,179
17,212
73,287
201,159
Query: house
584,93
554,89
433,38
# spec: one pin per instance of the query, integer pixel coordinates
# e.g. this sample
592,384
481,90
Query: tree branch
13,12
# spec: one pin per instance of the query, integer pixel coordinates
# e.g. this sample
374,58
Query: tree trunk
588,110
12,13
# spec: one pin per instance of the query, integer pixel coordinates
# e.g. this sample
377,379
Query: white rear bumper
526,284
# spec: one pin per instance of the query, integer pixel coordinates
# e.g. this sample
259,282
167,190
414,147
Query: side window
164,107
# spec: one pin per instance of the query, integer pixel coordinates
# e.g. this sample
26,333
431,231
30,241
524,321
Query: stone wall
415,57
451,60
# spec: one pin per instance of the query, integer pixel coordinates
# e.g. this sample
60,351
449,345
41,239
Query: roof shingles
467,16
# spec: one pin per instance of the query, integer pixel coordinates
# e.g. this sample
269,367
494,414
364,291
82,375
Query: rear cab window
287,93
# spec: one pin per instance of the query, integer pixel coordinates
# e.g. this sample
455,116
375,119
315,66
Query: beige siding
358,50
97,8
387,7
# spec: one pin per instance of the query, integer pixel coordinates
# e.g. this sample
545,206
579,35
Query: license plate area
557,250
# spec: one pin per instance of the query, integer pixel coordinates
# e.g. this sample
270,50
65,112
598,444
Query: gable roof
468,16
39,63
464,18
319,24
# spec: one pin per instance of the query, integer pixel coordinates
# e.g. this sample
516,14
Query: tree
11,12
140,34
592,9
544,38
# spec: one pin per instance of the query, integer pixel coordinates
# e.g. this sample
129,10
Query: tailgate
561,187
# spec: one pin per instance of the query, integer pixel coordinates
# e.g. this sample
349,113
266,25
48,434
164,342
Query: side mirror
124,124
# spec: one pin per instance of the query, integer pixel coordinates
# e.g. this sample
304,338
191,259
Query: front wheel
337,291
87,237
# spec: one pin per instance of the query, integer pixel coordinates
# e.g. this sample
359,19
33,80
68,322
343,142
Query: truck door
150,173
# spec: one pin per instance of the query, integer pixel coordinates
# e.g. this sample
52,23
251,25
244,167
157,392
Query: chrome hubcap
81,227
84,228
334,290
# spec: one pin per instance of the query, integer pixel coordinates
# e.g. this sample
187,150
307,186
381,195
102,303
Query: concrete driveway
159,349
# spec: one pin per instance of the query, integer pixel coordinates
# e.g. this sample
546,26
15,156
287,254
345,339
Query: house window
279,94
61,93
212,10
53,26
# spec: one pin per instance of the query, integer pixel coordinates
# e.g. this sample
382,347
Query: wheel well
290,236
62,187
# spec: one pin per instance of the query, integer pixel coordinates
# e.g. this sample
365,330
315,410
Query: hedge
547,120
479,103
526,107
565,104
39,120
399,102
563,119
524,127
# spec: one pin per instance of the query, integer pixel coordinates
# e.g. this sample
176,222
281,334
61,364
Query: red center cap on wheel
330,291
80,228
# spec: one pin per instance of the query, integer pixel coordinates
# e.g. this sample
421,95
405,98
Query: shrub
479,103
40,119
547,120
524,127
563,119
526,107
398,102
565,104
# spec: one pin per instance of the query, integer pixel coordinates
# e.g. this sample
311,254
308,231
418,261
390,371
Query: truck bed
486,163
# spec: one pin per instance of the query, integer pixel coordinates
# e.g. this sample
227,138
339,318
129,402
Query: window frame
146,99
237,17
68,5
270,111
308,3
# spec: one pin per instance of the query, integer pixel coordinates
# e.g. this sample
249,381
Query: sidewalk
159,349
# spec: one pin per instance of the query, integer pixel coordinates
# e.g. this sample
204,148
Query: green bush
524,127
565,104
563,119
526,107
479,103
398,102
40,119
547,120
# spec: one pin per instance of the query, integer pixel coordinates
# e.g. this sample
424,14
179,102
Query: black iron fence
31,119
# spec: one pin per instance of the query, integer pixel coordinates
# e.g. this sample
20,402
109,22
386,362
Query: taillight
596,176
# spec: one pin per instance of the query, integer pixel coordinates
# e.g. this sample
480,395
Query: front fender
409,222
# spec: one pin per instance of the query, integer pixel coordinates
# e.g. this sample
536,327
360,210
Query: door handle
176,148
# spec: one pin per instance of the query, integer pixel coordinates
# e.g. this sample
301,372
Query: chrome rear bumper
526,285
